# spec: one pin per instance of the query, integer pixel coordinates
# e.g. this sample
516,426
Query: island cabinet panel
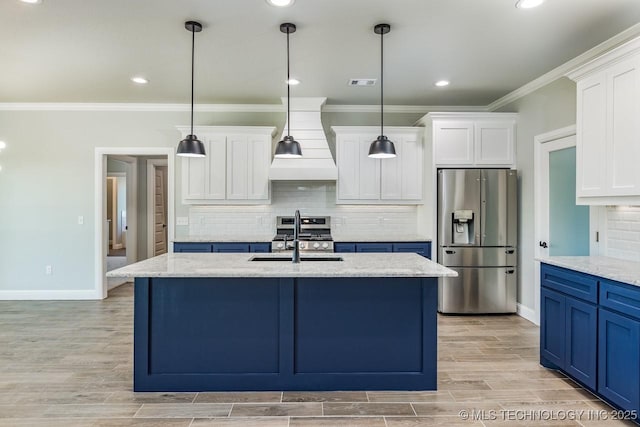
337,333
231,247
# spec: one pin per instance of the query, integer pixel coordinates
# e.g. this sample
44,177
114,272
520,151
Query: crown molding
566,68
206,108
399,109
226,108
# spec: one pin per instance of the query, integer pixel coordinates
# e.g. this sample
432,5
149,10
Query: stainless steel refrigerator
477,237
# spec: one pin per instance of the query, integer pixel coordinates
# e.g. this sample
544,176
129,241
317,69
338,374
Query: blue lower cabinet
374,247
192,247
552,328
344,247
230,247
420,248
260,247
569,330
619,359
581,345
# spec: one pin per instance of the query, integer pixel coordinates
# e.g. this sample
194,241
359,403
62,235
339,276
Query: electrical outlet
48,270
80,220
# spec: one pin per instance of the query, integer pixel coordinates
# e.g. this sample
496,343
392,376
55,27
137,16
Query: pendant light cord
288,90
381,83
193,43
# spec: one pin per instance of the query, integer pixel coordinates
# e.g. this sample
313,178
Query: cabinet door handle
450,252
509,251
543,244
510,271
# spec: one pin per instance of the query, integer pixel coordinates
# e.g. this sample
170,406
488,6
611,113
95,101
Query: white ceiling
86,50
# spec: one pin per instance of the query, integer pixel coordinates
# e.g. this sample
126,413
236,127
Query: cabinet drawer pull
510,271
450,252
510,251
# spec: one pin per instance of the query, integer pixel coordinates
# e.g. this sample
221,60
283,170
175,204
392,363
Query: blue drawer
191,247
620,297
569,282
374,247
231,247
259,247
344,247
420,248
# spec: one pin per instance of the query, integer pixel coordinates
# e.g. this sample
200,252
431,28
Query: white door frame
541,203
151,170
100,228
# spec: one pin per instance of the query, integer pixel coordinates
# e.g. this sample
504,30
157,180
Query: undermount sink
302,258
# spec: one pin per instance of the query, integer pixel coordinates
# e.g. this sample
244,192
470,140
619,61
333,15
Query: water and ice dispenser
463,227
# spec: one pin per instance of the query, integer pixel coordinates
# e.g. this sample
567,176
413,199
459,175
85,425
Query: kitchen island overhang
219,322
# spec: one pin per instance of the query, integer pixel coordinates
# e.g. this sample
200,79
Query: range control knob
302,245
325,245
280,245
316,245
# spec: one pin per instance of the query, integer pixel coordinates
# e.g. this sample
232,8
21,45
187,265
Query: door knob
543,244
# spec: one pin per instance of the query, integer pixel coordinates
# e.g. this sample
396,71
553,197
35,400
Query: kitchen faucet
296,242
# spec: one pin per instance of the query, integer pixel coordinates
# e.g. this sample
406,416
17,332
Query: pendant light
382,148
288,147
191,146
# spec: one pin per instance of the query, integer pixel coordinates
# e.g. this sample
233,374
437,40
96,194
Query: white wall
550,107
46,182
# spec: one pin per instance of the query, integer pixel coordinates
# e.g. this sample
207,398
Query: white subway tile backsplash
623,232
313,198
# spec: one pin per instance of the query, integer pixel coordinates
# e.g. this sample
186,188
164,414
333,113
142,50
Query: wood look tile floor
70,364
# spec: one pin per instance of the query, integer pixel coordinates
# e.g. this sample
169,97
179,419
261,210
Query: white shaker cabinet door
453,142
348,151
623,178
369,172
217,168
401,177
494,143
259,162
237,167
591,137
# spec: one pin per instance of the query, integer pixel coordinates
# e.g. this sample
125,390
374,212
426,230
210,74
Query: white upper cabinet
607,128
362,179
235,169
472,139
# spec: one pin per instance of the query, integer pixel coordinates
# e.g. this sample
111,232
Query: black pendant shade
382,147
288,147
191,146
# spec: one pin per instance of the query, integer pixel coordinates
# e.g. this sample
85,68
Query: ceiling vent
362,82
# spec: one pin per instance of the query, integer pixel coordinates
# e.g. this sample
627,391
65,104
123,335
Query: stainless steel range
314,236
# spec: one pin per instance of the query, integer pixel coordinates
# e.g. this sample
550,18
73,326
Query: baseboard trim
527,313
53,295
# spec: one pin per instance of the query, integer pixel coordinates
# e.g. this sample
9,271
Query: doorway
157,191
562,228
131,221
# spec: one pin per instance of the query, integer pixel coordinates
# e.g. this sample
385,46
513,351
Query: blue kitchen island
223,322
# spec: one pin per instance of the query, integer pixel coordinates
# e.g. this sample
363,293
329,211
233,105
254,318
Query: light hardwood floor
70,364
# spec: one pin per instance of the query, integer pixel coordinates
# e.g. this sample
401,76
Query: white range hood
316,163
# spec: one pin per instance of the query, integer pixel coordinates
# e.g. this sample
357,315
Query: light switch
80,220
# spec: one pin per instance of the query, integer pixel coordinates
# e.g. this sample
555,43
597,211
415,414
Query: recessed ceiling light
139,80
3,145
31,1
293,82
528,4
442,83
280,3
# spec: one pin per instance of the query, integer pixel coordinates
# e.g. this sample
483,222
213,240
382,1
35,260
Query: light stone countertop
238,265
608,268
